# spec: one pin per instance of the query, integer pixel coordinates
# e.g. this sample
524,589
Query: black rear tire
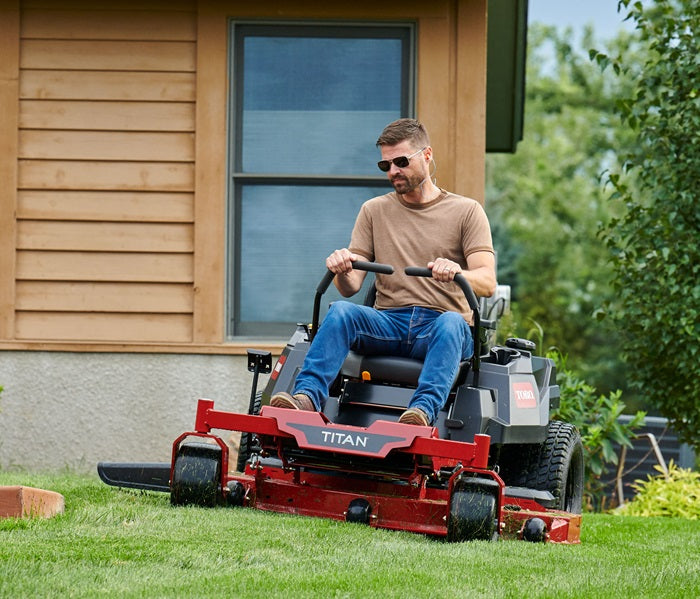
555,466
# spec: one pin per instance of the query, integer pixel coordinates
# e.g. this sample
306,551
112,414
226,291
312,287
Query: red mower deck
492,466
388,475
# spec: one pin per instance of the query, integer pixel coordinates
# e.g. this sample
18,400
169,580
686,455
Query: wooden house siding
105,172
114,136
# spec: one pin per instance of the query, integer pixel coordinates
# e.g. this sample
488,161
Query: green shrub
653,245
675,495
597,418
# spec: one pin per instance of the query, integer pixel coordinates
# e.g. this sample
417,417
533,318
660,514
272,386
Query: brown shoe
292,402
414,416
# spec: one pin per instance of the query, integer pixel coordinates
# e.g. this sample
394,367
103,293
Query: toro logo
524,395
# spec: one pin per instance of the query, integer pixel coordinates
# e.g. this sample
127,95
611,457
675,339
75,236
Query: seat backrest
370,296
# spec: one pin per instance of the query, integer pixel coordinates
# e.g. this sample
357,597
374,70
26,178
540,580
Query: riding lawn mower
492,466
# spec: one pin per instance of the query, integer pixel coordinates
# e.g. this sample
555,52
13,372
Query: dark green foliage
596,417
654,243
546,203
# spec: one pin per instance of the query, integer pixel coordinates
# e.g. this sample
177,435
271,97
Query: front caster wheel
473,509
196,478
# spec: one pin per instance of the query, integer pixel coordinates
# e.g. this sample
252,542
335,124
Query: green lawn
131,544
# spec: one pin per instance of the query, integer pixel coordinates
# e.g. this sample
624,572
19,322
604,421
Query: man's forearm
349,283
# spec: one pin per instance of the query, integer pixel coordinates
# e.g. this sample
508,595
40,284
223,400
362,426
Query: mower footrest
544,498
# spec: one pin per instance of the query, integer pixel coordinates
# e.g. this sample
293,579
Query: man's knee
452,322
341,310
452,326
341,315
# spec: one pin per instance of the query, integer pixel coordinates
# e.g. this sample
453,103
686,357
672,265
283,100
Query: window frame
406,31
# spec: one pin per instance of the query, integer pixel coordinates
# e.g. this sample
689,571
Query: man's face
410,177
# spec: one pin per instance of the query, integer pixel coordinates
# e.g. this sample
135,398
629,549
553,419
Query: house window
307,105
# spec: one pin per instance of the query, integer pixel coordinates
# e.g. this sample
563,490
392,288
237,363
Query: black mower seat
392,369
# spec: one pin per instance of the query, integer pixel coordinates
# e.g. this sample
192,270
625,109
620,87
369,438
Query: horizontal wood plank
70,326
222,347
58,296
110,55
107,115
108,5
110,176
106,266
106,206
104,237
106,85
108,24
106,145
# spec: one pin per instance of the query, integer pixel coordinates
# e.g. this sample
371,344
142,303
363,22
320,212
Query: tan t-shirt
390,231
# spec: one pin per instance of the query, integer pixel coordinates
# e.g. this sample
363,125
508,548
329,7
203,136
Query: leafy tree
654,242
546,203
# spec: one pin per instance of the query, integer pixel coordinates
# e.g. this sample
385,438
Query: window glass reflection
316,105
287,234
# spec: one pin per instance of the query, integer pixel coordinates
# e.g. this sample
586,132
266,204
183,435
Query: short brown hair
402,130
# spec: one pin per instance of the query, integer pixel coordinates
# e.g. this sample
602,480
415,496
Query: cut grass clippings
123,543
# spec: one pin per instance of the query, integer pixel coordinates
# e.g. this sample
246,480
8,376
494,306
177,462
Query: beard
403,184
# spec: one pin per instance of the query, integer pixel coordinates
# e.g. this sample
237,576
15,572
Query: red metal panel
399,501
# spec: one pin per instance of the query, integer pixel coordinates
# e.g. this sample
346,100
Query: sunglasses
400,161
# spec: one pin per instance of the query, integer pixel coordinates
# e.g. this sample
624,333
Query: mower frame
354,462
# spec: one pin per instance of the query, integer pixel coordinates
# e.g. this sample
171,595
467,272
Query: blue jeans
441,339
